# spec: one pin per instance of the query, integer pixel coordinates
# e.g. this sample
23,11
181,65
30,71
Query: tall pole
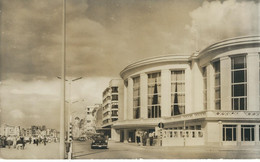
63,74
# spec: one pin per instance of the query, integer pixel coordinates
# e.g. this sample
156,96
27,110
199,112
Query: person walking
44,141
23,142
36,141
151,138
9,141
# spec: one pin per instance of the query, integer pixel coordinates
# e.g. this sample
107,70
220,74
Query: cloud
16,114
216,20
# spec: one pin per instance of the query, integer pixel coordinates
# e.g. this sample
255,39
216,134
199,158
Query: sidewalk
31,151
215,147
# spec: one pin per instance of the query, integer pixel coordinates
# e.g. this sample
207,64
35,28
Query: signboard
161,125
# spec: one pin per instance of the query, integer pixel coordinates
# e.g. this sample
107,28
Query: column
253,81
188,91
210,87
125,100
143,95
197,88
166,93
220,133
130,99
126,136
257,134
239,134
225,79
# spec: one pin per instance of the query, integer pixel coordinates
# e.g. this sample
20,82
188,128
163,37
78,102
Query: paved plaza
116,150
31,151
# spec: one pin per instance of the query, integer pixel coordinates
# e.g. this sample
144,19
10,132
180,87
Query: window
114,89
177,92
114,113
247,133
136,97
217,85
114,97
154,95
259,79
239,83
114,106
114,119
229,132
204,74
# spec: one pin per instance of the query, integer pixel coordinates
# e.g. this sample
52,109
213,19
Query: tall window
217,85
177,92
239,83
259,80
204,73
154,95
247,132
136,97
229,132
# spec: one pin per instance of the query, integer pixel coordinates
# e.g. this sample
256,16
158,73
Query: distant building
11,130
112,102
90,119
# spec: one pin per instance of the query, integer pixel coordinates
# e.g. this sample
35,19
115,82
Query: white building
207,98
112,102
90,119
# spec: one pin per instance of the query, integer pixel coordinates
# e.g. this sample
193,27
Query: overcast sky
103,37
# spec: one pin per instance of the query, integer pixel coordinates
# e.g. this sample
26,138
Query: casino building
208,98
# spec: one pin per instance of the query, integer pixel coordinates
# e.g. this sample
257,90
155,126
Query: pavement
32,151
116,150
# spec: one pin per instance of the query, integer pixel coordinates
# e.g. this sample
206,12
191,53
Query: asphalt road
82,150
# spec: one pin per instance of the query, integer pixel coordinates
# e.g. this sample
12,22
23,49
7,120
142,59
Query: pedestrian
36,141
30,140
151,138
23,142
14,141
44,141
9,141
144,138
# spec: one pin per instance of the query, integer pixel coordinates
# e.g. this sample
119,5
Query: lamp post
69,107
63,73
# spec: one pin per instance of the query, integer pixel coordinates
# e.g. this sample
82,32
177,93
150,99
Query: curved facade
210,97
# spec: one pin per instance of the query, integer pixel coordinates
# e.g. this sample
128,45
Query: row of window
238,87
247,132
154,94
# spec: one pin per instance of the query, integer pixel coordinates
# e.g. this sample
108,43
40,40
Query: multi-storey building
112,101
208,98
90,118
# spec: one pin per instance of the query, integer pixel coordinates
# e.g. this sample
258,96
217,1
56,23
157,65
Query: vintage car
99,141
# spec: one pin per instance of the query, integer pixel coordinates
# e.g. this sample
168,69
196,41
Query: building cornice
155,60
245,41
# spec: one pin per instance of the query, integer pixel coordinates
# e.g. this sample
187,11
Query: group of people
12,141
142,138
19,142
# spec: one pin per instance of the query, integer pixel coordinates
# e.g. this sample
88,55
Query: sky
103,37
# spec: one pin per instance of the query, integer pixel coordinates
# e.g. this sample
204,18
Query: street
116,150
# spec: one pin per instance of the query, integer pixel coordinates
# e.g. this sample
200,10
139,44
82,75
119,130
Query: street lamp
69,107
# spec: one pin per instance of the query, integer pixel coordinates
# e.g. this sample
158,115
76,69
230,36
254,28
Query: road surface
116,150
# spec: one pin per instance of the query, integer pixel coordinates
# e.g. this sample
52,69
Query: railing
183,134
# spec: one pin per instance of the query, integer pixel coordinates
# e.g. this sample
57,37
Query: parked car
99,141
81,139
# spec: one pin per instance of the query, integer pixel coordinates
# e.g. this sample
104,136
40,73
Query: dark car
99,141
